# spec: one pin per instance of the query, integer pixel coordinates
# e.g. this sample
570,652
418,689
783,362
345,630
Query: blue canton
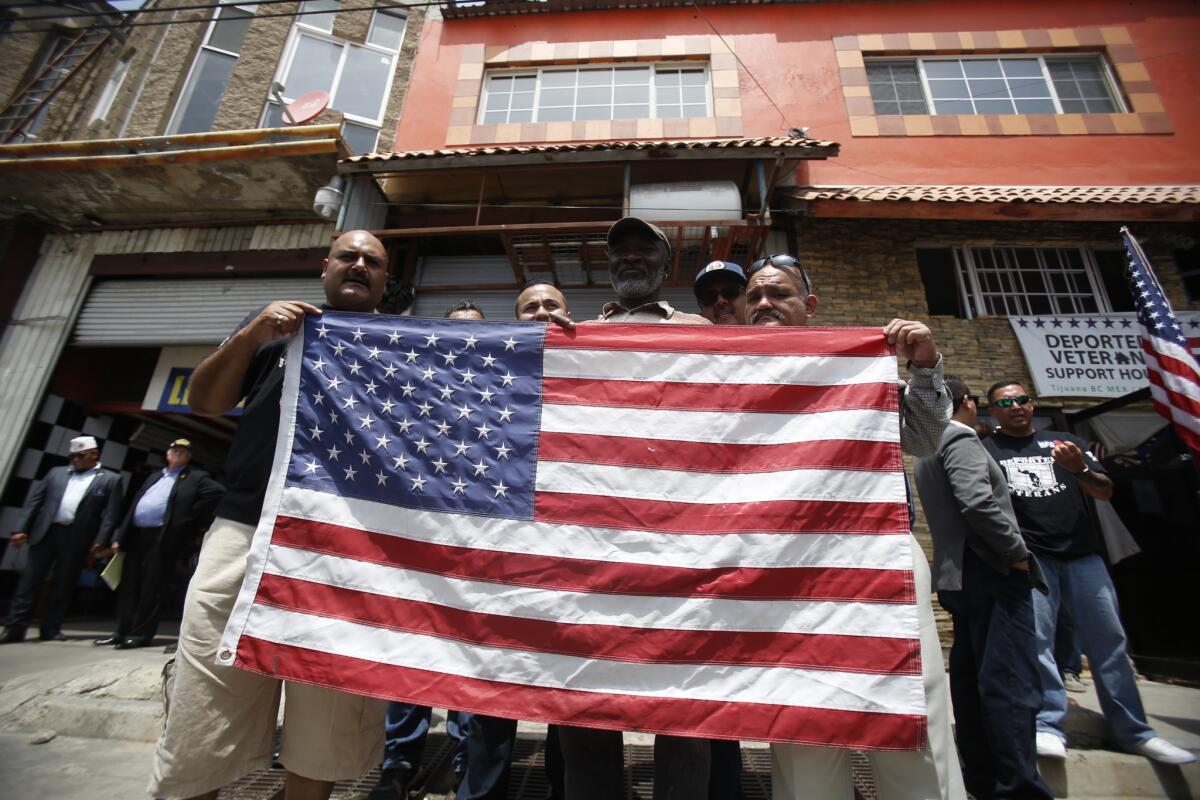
431,414
1153,309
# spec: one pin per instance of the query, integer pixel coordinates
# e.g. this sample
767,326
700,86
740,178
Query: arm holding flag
925,406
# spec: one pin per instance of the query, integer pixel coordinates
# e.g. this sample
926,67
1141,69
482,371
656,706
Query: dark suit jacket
190,505
965,497
97,514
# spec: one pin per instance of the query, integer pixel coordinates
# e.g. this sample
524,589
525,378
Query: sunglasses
708,297
1009,402
782,261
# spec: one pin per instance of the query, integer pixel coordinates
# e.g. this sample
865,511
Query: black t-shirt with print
1050,506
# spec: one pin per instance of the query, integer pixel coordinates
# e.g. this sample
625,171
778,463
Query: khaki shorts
221,720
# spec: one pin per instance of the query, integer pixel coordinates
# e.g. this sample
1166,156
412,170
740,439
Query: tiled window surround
476,59
1146,113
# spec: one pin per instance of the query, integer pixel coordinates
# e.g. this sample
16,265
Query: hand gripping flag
695,531
1173,369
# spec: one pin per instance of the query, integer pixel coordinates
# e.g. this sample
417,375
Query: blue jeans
405,729
1083,585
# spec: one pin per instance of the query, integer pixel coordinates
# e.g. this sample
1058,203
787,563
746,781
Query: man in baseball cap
720,289
639,255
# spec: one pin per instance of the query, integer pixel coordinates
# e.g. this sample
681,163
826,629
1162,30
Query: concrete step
1105,774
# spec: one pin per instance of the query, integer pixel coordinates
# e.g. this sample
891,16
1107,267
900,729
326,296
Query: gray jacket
965,497
98,512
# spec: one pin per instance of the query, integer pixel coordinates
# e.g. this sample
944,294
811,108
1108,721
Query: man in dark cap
721,292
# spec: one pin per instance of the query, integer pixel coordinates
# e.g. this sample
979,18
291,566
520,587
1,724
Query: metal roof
1003,194
453,9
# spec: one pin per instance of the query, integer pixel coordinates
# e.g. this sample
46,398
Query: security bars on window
1025,281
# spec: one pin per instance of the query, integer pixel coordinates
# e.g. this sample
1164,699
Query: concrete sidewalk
100,710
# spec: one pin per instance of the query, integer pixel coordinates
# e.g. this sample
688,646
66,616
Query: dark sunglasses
782,261
708,297
1009,402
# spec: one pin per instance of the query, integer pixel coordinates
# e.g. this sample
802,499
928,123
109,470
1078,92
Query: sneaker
393,785
1074,683
1160,750
1050,746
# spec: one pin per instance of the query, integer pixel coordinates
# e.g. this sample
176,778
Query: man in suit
165,518
981,569
72,511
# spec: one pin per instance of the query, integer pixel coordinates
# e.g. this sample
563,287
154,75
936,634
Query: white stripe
849,691
1176,383
853,486
722,427
628,365
1178,415
691,551
888,620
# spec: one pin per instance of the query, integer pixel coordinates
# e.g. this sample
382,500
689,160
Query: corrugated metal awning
501,304
140,313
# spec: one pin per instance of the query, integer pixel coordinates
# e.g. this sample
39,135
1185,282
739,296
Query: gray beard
637,288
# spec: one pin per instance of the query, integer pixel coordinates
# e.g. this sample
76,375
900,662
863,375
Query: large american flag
1173,369
664,528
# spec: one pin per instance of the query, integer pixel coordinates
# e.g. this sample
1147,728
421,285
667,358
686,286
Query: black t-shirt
248,466
1047,498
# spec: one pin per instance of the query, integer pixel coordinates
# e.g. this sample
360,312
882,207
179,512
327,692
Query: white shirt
77,486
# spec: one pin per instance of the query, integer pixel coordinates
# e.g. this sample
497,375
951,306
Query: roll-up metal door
465,270
137,313
500,305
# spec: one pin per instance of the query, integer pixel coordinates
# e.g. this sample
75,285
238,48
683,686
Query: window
554,94
1023,281
111,88
985,85
358,77
319,14
1188,262
210,73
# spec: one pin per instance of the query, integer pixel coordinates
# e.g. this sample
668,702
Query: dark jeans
405,729
594,764
142,595
725,776
489,753
65,549
994,681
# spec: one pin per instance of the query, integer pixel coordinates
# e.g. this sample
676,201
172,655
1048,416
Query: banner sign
1089,355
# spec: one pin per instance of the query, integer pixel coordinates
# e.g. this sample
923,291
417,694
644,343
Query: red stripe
735,340
612,642
635,452
774,516
1187,435
1181,401
733,397
580,575
685,717
1183,369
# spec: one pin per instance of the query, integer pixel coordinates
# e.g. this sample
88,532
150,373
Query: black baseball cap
638,225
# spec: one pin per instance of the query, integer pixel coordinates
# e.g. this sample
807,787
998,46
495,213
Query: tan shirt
660,311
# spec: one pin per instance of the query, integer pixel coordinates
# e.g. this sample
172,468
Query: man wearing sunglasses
981,570
779,292
721,292
1048,474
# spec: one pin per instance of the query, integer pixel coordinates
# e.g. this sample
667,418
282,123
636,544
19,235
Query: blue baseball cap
718,268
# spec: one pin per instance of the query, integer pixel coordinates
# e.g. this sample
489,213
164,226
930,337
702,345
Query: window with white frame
205,86
358,77
558,94
115,81
1019,281
1025,84
319,14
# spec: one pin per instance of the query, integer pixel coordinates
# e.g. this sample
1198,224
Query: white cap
81,443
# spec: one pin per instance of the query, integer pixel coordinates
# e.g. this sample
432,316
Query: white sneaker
1160,750
1050,746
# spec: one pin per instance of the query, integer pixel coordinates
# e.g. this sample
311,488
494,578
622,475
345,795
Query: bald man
221,720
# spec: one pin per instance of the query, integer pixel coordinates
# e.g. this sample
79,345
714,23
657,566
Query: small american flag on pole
696,531
1172,368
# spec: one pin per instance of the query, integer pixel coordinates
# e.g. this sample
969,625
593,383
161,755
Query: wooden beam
181,141
1081,212
298,261
530,227
171,157
518,273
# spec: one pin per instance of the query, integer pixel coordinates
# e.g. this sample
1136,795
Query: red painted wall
789,49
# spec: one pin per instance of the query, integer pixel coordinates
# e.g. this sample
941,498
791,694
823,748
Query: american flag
1173,369
697,531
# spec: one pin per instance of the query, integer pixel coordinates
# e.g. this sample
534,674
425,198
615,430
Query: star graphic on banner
418,484
394,337
1056,322
460,486
322,331
1023,323
333,453
350,473
1091,323
1126,323
1194,323
310,468
1074,323
1039,323
501,489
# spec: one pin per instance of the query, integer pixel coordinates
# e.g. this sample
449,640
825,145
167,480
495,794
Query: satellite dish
306,108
